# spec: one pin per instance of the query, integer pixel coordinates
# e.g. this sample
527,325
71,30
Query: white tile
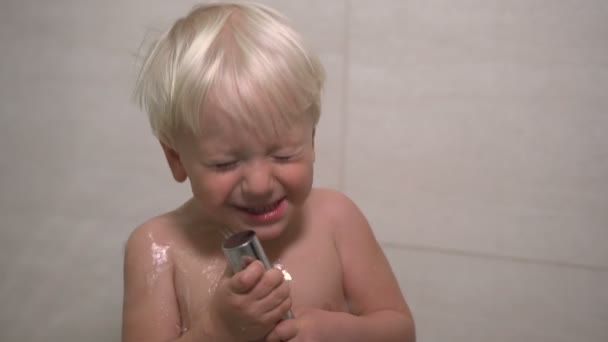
320,22
460,137
63,276
461,298
72,141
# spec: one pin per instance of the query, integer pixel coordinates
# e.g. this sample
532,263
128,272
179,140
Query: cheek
299,180
212,189
307,176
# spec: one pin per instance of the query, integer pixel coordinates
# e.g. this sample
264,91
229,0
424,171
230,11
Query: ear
314,130
175,163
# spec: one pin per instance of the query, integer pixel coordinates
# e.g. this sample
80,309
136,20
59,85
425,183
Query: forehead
261,124
222,130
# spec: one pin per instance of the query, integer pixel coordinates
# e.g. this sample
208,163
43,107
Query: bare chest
314,274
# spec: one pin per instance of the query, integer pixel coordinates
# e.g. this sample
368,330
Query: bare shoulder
148,283
326,195
159,230
337,208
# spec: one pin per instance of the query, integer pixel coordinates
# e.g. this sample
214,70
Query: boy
234,97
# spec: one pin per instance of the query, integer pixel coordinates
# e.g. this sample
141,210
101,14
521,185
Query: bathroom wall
472,134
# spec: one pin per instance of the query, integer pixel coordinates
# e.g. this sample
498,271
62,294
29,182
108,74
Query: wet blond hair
241,58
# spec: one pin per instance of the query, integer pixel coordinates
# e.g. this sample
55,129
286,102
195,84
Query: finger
272,337
284,331
276,314
272,279
246,260
245,280
275,298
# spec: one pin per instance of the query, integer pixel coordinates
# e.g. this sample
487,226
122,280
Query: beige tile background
471,133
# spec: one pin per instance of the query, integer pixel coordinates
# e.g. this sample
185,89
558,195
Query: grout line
345,96
511,258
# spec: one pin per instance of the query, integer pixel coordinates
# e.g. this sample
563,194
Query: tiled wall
472,133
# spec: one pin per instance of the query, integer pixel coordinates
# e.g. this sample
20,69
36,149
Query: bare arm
150,310
378,311
381,313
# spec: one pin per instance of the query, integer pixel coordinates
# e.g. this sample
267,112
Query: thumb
245,280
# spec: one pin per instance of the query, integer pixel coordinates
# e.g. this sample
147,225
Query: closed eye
227,166
284,158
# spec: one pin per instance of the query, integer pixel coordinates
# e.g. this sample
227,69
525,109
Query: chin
270,232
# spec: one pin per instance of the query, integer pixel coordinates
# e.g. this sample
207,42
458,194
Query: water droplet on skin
160,261
181,330
281,268
159,255
214,272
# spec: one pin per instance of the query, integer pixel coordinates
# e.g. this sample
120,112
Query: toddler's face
244,181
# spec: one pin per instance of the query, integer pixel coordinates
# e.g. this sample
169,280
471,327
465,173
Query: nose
257,179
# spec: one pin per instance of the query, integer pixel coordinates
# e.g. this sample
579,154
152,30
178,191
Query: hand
249,304
311,325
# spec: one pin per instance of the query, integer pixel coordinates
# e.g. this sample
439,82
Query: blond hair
242,58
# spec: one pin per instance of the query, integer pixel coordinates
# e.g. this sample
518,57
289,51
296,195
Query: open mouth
260,210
